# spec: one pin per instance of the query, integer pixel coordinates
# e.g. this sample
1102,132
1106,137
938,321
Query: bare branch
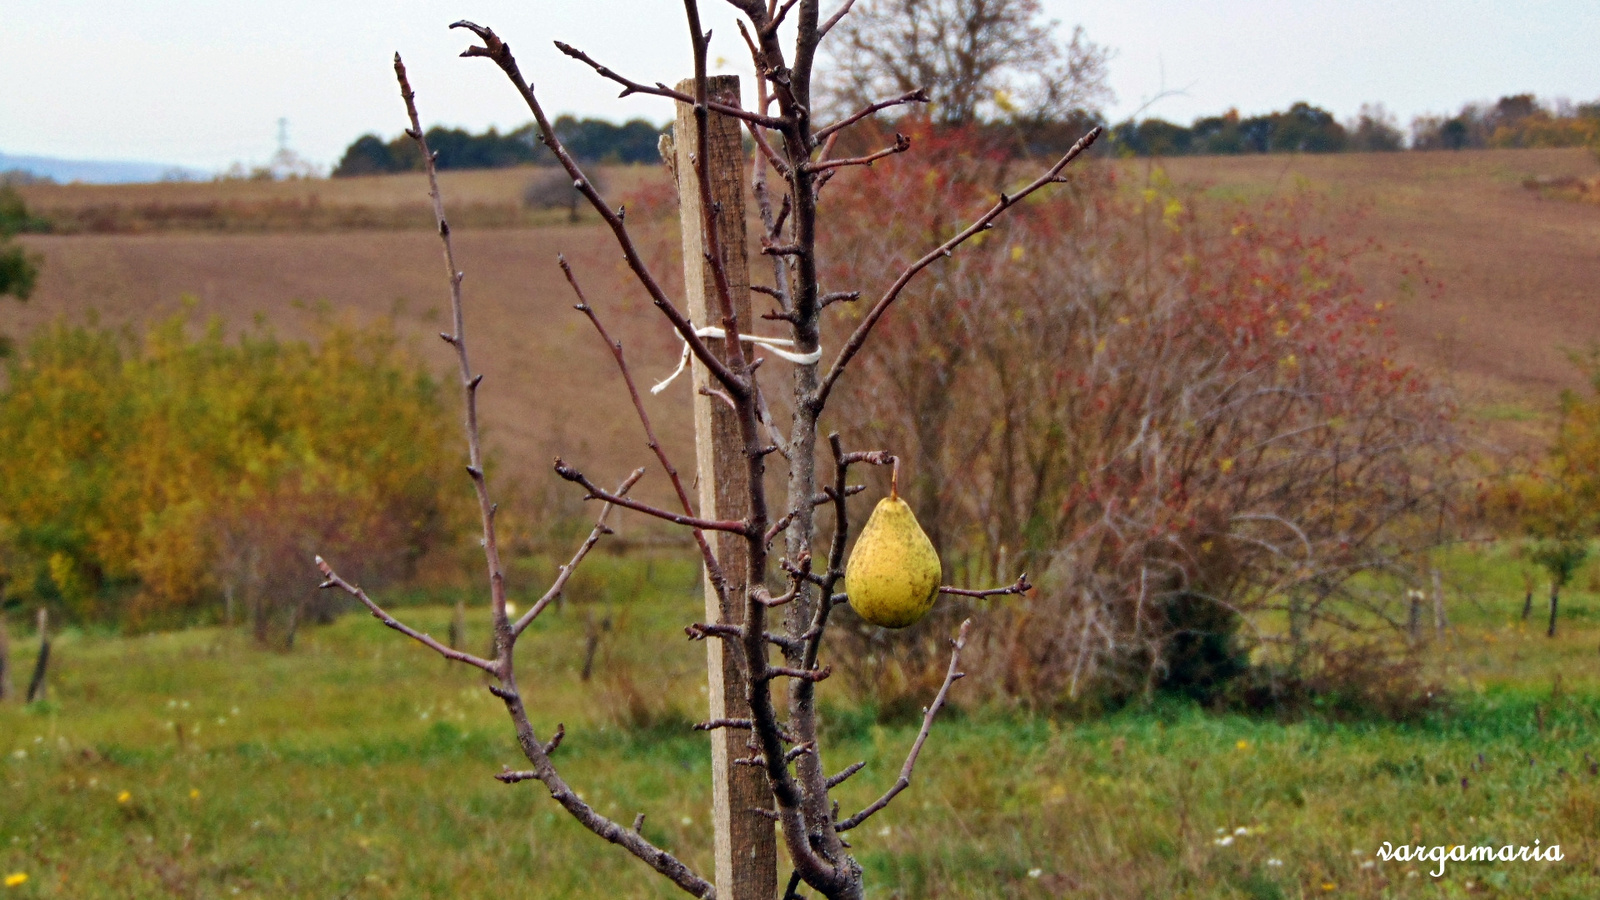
572,565
499,52
803,674
333,580
469,381
538,753
983,222
777,19
1020,586
901,145
710,210
713,568
699,631
660,90
836,780
904,781
920,95
713,724
834,19
599,493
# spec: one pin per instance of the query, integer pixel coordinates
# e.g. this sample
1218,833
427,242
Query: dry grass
483,199
1518,268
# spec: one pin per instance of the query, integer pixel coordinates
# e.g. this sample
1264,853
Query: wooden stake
746,855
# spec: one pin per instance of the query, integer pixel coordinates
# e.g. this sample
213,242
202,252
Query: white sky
204,83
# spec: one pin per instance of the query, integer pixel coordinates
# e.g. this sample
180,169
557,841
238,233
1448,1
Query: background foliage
145,477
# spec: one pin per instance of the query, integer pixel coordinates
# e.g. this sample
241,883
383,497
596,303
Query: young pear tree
773,575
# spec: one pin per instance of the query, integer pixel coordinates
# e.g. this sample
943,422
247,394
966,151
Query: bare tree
800,578
979,60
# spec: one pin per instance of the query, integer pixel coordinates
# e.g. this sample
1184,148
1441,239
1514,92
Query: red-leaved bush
1183,418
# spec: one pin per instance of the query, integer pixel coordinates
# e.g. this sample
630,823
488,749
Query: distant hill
96,171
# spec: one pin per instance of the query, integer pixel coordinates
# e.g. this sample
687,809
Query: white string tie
775,344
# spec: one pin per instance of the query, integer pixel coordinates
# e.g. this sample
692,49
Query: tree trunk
1555,598
1527,605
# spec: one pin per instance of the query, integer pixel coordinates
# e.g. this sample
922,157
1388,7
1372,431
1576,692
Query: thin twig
836,780
597,492
660,90
834,19
469,381
1020,586
499,52
920,95
560,583
333,580
901,145
713,568
904,781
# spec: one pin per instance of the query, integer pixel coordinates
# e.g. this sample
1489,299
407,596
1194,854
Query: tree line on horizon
1517,120
591,140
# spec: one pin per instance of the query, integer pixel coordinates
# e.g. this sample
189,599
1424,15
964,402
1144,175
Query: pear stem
894,479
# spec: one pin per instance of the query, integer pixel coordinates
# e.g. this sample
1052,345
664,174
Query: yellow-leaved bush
145,478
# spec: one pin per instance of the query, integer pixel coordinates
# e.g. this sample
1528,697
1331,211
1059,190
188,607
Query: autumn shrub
1184,418
153,479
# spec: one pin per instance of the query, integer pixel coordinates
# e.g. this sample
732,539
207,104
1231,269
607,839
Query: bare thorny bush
795,160
1189,421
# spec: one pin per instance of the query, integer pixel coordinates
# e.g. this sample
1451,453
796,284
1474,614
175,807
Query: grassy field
193,764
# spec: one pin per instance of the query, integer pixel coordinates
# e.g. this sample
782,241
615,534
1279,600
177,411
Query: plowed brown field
1521,276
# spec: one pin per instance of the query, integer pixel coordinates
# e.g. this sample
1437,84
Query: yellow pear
893,574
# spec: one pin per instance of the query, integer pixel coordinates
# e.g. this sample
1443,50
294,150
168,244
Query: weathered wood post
745,850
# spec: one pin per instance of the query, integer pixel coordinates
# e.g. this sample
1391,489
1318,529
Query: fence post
746,861
5,660
1440,620
36,683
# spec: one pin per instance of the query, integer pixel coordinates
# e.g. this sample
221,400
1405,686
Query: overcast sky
203,84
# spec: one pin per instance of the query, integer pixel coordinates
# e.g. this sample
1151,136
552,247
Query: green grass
360,766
